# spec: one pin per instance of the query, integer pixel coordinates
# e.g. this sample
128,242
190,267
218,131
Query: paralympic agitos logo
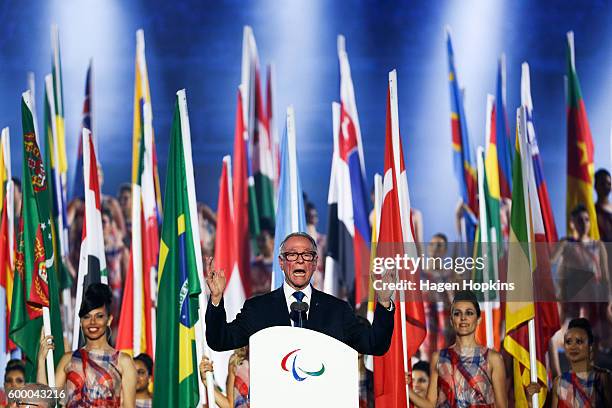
295,368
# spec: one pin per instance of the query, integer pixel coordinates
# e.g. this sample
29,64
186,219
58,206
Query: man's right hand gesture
215,281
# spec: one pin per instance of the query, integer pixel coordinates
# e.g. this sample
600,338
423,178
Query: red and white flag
396,237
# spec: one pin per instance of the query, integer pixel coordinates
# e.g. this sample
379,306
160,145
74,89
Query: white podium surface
292,367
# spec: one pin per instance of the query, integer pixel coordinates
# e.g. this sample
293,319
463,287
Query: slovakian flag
396,238
348,259
502,132
78,187
580,150
35,285
465,166
180,274
258,129
290,216
92,262
538,168
137,321
240,187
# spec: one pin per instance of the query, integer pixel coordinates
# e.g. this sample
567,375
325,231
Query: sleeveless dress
241,385
594,391
93,380
144,403
464,380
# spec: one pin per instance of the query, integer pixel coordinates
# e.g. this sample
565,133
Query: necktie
298,320
299,295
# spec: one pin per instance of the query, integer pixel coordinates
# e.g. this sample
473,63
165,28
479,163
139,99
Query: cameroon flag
179,286
580,150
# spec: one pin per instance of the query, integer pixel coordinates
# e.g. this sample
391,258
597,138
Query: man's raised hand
215,280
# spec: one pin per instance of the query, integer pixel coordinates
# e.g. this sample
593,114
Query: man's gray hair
298,234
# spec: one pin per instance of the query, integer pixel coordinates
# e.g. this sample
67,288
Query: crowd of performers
452,368
465,374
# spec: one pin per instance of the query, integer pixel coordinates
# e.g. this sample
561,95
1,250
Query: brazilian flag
176,370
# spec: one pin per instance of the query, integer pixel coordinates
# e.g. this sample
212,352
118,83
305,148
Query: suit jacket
327,314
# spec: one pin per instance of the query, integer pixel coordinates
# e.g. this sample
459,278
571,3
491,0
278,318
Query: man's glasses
293,256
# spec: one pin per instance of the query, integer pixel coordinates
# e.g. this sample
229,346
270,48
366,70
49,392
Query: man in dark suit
326,314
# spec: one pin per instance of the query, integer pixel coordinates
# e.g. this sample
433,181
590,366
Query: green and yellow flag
178,281
580,149
35,284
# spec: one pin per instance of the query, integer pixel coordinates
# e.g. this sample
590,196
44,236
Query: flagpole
526,161
50,364
291,144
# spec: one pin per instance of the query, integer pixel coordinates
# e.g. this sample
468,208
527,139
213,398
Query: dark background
197,45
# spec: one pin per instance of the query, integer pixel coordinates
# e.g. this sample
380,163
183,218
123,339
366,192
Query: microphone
299,308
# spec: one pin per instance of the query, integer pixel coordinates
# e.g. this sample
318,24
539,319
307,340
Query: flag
92,260
5,163
395,236
35,283
337,234
137,320
142,95
57,194
352,226
226,240
226,259
489,233
526,101
273,131
465,169
580,150
290,216
176,366
7,239
502,132
240,186
378,191
58,102
546,315
258,128
78,187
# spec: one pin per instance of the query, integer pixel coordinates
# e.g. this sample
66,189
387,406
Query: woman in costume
584,385
466,374
237,381
96,375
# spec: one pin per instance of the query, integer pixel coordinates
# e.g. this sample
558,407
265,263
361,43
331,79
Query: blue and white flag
290,215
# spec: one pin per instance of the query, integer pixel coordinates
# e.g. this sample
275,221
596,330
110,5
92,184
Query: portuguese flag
35,284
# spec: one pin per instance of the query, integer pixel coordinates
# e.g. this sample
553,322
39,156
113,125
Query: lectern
295,367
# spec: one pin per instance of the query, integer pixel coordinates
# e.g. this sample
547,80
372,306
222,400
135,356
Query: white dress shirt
289,291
